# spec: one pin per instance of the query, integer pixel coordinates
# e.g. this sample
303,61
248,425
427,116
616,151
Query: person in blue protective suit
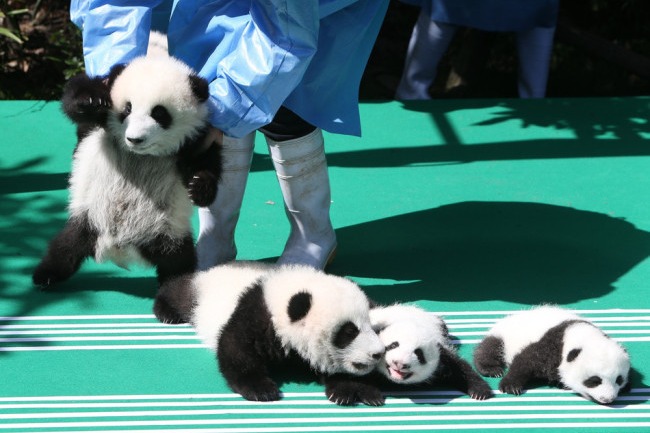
288,68
533,22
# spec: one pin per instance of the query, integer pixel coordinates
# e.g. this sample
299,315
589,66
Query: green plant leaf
7,33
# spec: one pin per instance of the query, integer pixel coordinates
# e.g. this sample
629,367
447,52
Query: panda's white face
593,365
155,107
324,318
411,355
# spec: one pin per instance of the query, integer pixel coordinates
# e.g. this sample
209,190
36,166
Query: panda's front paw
261,389
346,392
510,385
202,188
86,99
480,390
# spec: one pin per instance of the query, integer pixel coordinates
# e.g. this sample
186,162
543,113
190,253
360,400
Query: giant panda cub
141,161
259,318
419,351
555,345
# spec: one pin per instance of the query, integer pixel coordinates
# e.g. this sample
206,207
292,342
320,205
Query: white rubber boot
216,242
301,168
428,43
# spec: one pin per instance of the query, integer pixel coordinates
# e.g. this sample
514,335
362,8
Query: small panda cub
142,160
419,350
259,317
556,345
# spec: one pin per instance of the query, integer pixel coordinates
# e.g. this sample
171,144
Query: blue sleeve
113,31
253,58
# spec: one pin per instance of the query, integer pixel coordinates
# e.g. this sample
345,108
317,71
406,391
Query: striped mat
442,409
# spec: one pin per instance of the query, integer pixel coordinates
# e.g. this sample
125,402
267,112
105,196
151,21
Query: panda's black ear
299,306
573,354
114,73
199,88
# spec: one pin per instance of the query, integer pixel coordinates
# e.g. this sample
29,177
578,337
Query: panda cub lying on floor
140,162
419,351
258,317
555,345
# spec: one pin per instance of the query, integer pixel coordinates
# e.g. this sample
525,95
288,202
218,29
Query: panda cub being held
555,345
260,318
142,160
419,351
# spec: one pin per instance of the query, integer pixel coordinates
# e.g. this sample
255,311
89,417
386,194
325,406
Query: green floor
469,208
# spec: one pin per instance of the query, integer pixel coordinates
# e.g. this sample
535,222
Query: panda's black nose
135,140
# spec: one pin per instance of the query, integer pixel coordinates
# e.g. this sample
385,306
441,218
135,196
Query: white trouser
301,168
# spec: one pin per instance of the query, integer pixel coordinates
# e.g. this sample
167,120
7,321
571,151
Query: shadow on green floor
573,128
476,251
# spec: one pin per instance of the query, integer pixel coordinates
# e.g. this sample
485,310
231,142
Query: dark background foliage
602,48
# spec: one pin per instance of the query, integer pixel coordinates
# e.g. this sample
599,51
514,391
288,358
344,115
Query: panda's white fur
158,45
335,300
419,351
216,293
556,344
255,315
139,165
413,329
171,89
520,329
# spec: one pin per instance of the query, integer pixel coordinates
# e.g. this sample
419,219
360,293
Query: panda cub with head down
419,351
259,318
141,161
556,345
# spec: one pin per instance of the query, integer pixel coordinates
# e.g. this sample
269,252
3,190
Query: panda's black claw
509,387
202,189
346,391
480,390
263,389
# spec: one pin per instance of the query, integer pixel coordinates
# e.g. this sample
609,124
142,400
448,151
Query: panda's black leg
174,300
252,384
247,345
520,372
170,262
346,390
488,357
66,252
460,374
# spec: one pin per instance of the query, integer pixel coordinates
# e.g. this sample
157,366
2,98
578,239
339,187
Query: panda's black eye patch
620,380
420,355
393,345
592,382
161,116
573,354
125,113
299,306
345,335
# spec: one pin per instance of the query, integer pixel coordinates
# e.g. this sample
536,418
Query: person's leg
298,154
429,42
534,48
216,241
